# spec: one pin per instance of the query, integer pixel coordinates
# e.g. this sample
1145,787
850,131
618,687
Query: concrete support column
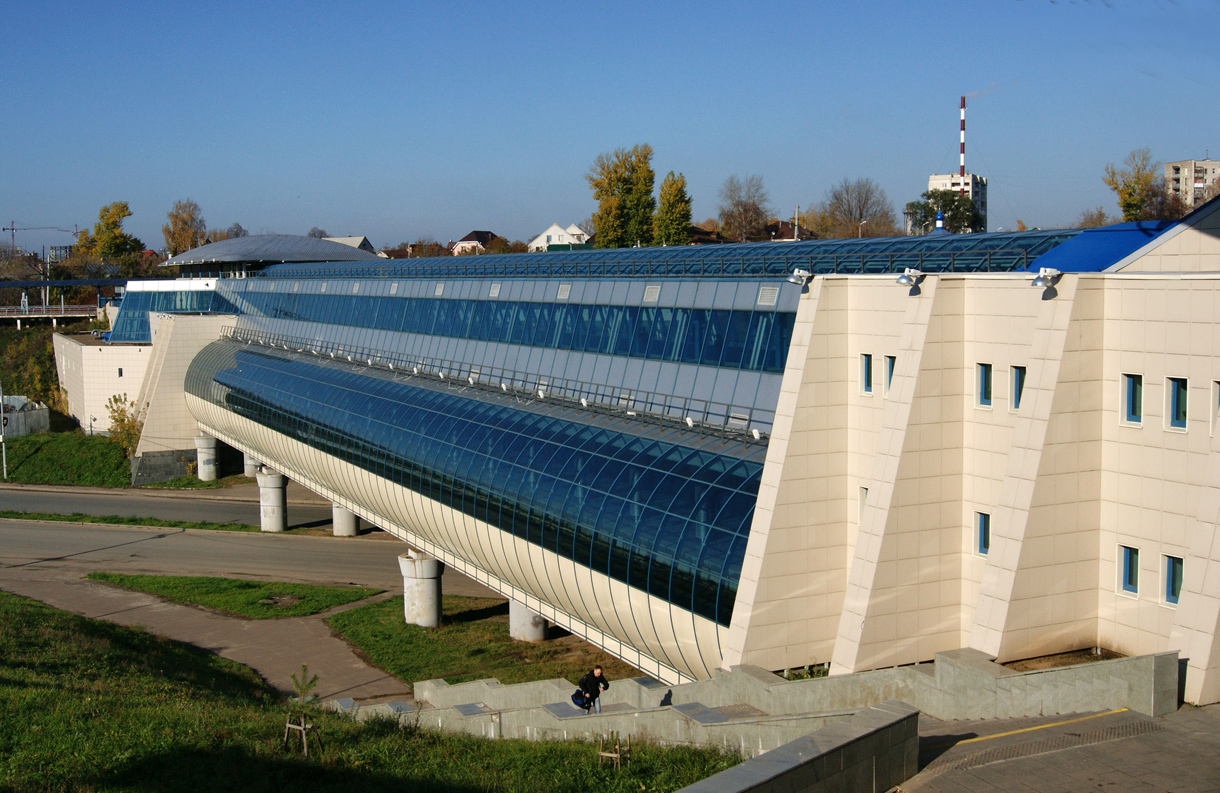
421,588
525,625
271,500
249,466
205,457
344,522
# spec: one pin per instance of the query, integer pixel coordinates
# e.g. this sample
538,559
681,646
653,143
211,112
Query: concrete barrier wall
27,422
875,750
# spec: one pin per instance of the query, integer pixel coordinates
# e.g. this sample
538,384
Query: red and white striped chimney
961,168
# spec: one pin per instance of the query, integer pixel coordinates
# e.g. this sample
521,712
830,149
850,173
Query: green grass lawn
471,644
88,705
259,600
123,520
67,458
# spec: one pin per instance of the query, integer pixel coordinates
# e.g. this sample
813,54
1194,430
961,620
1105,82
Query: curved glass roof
262,248
940,253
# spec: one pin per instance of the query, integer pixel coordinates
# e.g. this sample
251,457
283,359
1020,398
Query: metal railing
47,311
733,422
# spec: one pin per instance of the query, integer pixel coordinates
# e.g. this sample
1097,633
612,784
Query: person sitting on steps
592,684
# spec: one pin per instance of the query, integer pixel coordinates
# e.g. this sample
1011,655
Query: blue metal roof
941,253
1093,250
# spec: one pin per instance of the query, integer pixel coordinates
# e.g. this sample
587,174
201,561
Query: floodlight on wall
1047,276
584,403
690,422
757,435
799,277
911,277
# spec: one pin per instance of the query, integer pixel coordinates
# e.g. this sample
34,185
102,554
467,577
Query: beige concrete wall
176,340
90,373
1187,248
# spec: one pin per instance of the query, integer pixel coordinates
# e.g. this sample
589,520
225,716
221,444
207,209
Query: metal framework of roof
70,283
944,253
272,248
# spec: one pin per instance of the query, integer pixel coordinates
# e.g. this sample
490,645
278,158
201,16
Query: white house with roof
557,235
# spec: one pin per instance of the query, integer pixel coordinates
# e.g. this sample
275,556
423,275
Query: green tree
961,213
186,228
108,240
672,223
622,183
744,208
1136,184
125,423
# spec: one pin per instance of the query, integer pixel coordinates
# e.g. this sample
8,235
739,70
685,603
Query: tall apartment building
974,185
1190,179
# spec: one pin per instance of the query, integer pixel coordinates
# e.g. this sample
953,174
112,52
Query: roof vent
652,293
564,291
495,291
739,419
768,295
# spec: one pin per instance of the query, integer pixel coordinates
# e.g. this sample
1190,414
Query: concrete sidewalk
273,648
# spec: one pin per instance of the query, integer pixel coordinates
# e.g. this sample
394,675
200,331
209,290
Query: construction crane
12,228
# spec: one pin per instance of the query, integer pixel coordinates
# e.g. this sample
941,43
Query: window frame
1131,396
866,373
1129,570
1177,402
1172,564
1017,377
984,385
982,533
891,363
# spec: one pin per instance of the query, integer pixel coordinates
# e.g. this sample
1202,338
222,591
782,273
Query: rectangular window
1175,409
982,530
891,361
1215,412
1173,579
1133,398
1018,386
120,371
984,389
1130,561
866,373
860,506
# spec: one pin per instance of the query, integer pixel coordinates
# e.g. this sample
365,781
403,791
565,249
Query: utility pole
3,427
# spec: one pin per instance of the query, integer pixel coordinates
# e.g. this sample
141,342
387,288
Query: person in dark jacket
592,684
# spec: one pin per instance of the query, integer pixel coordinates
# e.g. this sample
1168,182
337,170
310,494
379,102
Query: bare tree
1092,218
858,208
587,227
744,208
317,233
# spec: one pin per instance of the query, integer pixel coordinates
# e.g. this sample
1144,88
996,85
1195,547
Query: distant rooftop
272,249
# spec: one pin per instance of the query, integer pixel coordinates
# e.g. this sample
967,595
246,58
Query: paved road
176,506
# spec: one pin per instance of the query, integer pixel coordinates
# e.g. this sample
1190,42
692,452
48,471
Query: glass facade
662,508
941,253
131,323
734,339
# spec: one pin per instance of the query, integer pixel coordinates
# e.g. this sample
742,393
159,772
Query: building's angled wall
1191,247
93,372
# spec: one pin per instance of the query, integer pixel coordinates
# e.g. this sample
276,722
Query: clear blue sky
399,120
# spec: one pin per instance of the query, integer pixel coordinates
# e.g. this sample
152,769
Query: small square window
866,373
1130,560
982,531
1133,398
1175,396
1018,386
1173,579
984,385
891,362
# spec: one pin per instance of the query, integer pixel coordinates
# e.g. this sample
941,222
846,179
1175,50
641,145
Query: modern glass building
776,454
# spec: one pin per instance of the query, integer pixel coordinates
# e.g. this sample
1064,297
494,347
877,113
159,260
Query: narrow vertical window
1173,579
1215,411
120,371
982,530
1130,568
1018,386
860,506
1176,407
984,385
1133,398
891,361
866,373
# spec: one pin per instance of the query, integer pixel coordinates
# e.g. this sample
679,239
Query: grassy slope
124,520
67,458
254,599
90,705
193,483
472,644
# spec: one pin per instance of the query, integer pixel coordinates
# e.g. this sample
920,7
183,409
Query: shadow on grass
474,615
232,768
